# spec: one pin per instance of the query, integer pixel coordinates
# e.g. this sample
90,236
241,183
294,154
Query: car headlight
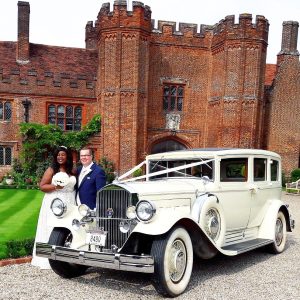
145,210
130,212
58,207
84,210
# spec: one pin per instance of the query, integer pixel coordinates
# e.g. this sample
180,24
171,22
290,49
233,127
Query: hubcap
212,223
278,232
177,260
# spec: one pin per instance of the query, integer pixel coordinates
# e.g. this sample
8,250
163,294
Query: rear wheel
63,237
173,262
279,243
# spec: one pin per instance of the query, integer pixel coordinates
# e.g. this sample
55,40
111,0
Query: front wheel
279,243
63,237
173,262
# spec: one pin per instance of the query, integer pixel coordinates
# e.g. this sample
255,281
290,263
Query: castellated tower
235,102
123,51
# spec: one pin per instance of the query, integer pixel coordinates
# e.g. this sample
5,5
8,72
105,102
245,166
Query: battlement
228,29
31,82
90,35
185,29
140,16
226,26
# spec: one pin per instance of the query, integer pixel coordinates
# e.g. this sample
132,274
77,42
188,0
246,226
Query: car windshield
199,171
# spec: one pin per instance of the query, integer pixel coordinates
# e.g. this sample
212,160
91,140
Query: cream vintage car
198,201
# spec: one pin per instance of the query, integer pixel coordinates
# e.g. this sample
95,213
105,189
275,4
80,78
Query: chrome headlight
58,207
84,210
145,210
130,212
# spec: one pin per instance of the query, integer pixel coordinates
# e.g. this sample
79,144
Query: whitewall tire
173,262
279,243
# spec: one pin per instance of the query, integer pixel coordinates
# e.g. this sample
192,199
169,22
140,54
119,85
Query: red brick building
156,88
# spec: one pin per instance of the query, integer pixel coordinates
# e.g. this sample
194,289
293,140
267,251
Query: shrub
19,248
295,175
137,173
108,168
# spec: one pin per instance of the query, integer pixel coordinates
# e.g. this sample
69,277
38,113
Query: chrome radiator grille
111,210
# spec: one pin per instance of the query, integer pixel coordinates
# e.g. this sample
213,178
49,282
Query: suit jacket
91,183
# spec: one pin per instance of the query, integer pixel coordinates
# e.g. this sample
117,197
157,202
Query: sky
62,22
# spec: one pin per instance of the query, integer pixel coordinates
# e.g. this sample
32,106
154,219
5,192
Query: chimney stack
23,32
289,38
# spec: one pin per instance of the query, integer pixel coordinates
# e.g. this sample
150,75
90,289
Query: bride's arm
45,184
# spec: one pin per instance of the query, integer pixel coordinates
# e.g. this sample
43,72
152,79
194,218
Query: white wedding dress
43,230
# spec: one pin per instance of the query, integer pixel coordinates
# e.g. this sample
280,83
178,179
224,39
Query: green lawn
19,210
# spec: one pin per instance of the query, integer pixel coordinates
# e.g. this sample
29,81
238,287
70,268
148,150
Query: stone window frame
170,99
5,110
64,116
4,152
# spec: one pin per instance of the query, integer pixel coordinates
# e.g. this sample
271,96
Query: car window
260,169
197,171
274,170
234,169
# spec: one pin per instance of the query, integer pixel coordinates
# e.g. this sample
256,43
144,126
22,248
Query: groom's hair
90,150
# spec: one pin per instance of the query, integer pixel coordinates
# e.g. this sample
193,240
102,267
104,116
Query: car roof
211,153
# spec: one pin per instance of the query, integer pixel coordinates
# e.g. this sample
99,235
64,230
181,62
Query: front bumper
117,261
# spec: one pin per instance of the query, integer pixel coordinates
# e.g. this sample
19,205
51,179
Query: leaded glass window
173,97
5,111
77,118
67,117
5,156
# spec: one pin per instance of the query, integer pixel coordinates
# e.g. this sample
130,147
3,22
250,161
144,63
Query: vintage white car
198,201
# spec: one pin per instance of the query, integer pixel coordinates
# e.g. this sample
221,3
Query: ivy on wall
39,140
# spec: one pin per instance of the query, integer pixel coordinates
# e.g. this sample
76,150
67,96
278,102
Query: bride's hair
69,162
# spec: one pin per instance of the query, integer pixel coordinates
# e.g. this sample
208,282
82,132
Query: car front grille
112,203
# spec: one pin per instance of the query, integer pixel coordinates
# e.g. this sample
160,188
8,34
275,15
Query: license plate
96,238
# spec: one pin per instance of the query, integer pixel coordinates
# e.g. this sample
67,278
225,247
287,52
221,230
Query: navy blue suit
91,183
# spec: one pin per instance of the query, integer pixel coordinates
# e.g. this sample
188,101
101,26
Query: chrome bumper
117,261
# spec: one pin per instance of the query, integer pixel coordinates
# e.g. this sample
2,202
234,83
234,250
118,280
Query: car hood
164,186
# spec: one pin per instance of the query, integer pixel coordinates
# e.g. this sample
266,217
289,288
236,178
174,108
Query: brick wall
228,101
284,126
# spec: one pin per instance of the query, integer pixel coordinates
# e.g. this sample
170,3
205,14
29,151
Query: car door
235,196
264,186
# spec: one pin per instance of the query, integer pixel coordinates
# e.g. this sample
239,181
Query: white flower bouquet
61,179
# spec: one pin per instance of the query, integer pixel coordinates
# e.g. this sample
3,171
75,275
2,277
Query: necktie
82,174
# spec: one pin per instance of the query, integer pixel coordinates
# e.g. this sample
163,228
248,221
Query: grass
19,211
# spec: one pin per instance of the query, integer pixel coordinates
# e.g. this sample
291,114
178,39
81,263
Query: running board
247,246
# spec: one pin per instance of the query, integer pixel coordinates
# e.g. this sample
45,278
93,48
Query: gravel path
253,275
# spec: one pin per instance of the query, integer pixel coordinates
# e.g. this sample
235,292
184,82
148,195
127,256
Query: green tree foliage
295,175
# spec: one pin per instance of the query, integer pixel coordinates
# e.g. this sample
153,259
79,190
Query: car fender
267,228
206,202
66,221
163,221
168,217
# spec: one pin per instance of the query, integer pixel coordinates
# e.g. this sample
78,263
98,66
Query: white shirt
84,171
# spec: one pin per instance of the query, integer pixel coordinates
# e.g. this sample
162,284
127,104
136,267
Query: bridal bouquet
61,179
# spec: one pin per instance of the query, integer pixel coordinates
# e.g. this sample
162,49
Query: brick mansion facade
156,89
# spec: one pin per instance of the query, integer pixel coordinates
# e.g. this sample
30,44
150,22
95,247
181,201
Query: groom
90,179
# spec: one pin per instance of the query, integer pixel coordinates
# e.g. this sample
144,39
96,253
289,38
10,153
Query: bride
58,181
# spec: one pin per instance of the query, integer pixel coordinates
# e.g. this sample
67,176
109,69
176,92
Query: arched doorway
167,145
